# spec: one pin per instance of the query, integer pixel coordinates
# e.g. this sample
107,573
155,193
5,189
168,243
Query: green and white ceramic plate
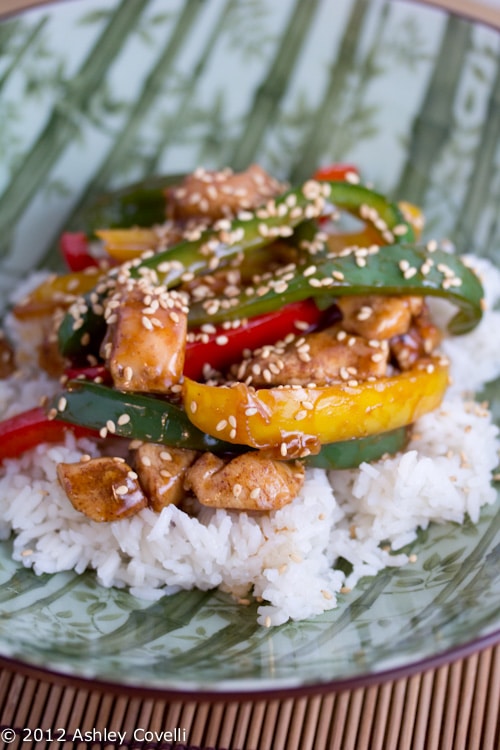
94,95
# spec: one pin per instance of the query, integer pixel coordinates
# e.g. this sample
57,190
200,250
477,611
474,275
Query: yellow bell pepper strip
414,216
298,420
391,270
57,291
228,240
126,244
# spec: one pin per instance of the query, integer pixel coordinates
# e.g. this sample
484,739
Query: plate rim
473,10
278,692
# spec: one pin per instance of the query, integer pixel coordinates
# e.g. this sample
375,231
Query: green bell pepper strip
91,407
230,239
349,454
130,415
390,270
141,204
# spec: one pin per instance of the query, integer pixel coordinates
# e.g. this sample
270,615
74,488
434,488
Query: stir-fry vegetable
133,415
33,427
389,270
297,420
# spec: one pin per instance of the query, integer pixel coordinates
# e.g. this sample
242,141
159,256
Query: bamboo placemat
456,706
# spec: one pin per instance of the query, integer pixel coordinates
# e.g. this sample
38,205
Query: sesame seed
309,271
135,444
122,489
404,265
400,229
410,272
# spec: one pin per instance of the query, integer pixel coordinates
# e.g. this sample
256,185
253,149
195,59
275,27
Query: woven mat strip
455,706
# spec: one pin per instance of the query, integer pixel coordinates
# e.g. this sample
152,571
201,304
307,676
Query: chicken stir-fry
233,245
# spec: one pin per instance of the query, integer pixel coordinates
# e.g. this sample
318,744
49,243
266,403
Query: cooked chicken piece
216,195
321,357
7,357
103,489
161,473
251,481
145,343
421,340
50,358
378,317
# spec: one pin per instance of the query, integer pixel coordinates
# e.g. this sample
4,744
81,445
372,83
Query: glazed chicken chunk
144,346
378,317
161,472
323,357
217,195
103,489
7,358
251,481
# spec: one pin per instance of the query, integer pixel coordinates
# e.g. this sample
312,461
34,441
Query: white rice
286,557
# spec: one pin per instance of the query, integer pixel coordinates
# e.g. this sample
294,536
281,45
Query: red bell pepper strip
340,172
75,251
30,428
96,373
225,344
